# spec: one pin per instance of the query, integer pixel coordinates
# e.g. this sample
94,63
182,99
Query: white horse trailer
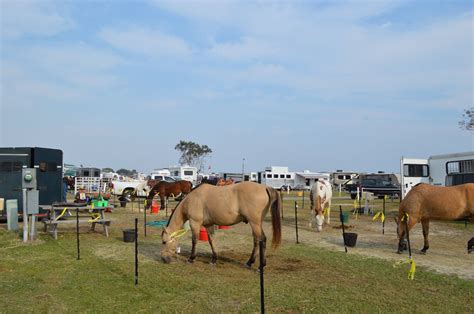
441,170
187,173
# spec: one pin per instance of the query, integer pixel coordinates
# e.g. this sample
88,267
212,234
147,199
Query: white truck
126,188
441,170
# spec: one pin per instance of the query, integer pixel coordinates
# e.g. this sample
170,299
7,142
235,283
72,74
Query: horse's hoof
190,261
213,263
247,266
399,251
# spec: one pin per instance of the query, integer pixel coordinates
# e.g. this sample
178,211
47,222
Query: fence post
296,222
77,235
262,285
136,251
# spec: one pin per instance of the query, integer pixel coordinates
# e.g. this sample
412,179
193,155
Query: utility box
29,178
12,215
48,164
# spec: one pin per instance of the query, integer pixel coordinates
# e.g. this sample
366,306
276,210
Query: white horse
321,197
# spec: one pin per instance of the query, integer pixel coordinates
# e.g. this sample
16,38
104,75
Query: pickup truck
378,183
126,188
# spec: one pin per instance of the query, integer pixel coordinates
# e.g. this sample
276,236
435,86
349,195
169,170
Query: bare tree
193,153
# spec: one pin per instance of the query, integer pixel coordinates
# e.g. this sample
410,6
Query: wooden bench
52,225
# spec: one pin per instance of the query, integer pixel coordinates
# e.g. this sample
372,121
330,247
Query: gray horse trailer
47,161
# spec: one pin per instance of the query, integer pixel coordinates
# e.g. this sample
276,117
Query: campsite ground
315,275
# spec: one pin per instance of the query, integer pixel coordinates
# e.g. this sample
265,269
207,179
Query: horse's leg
254,250
258,236
425,223
402,242
328,219
312,215
195,228
210,233
162,201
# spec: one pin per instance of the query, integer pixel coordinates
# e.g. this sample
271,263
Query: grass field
46,277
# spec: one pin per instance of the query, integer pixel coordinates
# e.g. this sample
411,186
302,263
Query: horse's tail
275,204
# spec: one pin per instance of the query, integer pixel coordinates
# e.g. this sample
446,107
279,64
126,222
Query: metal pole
262,285
136,251
25,218
343,229
296,222
77,235
243,167
144,218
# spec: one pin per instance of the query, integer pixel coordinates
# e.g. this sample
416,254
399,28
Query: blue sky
319,85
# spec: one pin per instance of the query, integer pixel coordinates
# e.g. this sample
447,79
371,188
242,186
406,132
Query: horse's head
319,221
168,248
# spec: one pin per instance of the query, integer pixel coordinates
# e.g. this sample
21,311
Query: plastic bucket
155,208
300,193
345,218
350,239
203,234
224,227
129,235
123,203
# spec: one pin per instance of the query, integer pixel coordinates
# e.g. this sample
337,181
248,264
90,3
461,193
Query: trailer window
188,172
11,166
282,176
288,176
462,166
275,176
415,170
85,173
457,179
96,174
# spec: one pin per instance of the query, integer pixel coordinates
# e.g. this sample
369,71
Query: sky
312,85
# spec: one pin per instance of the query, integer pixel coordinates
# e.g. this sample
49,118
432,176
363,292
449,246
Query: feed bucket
300,193
155,208
203,234
345,218
129,235
224,227
350,239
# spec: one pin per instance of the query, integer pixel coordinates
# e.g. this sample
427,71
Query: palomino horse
425,202
166,189
223,182
321,197
208,205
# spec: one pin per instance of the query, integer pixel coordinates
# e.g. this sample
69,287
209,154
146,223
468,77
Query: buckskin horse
208,205
166,189
425,202
321,198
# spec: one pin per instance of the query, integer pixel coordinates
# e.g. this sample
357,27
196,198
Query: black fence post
303,200
296,222
341,217
262,285
136,251
77,235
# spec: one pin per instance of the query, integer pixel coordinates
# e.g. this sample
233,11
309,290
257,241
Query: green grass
46,277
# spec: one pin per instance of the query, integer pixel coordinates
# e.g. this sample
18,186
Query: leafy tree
193,154
107,170
467,122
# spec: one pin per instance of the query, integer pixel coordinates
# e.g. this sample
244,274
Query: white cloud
245,49
39,18
146,41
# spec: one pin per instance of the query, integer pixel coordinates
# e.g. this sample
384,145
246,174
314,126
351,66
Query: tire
353,196
127,194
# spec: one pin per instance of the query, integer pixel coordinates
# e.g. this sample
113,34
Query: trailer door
413,171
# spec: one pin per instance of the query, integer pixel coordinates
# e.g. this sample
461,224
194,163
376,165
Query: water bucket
350,239
345,218
129,235
203,234
155,208
224,227
300,193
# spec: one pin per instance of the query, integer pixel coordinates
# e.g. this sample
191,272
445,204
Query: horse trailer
281,178
49,165
441,170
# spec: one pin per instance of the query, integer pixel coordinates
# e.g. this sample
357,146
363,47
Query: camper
187,173
282,178
237,176
441,170
341,178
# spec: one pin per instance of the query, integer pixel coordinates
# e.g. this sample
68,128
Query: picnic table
65,213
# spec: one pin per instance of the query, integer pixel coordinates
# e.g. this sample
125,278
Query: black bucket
350,239
129,235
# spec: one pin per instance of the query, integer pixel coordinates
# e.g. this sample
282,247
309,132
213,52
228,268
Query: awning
313,175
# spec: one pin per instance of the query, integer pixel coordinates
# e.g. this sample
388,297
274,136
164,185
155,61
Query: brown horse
425,202
223,182
208,205
166,189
